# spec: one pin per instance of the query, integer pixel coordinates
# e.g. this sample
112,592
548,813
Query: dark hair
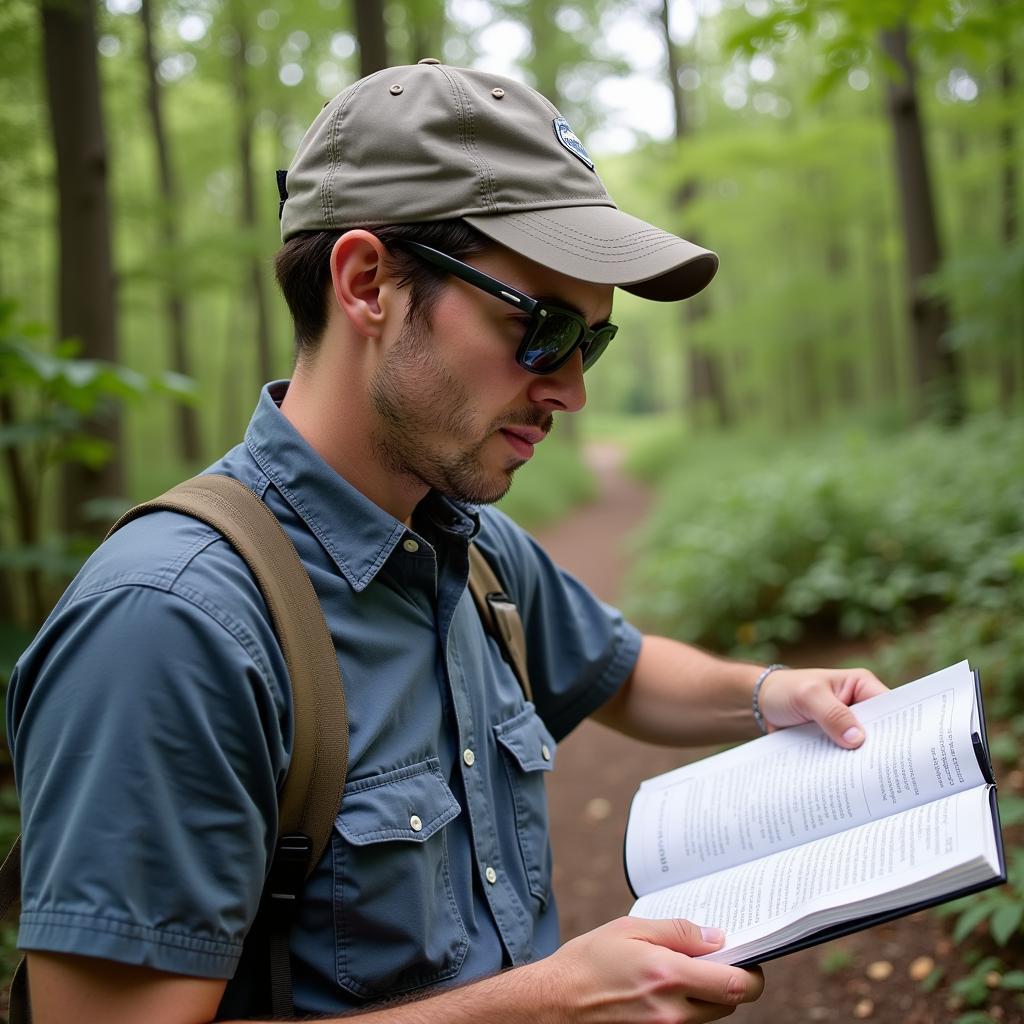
303,269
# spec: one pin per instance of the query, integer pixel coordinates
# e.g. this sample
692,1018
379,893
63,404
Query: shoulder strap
500,616
313,787
312,790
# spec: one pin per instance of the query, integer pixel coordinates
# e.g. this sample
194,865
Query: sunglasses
552,333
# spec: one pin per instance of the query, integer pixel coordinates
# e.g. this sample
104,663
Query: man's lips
522,439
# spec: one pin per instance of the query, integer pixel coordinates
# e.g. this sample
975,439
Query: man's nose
563,390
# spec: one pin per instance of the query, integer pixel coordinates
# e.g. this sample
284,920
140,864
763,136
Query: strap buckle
288,871
503,610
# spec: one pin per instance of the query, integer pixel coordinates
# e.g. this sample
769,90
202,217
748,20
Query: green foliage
551,483
47,398
745,549
834,960
1001,910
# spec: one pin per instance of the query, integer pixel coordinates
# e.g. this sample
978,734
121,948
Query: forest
833,431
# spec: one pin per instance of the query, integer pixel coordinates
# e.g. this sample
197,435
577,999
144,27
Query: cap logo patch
567,137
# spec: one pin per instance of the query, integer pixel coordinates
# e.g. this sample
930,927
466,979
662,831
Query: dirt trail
598,771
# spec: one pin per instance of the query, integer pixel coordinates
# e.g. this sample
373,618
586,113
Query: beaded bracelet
758,717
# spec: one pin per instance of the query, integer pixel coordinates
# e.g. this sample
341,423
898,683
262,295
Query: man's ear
363,288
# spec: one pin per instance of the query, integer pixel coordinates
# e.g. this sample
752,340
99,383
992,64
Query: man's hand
634,971
793,696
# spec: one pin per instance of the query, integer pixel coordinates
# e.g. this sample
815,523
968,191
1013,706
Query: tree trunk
935,366
174,301
427,29
705,380
371,35
1012,350
249,217
87,286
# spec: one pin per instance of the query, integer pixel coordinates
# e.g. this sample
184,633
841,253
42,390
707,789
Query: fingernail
715,935
853,735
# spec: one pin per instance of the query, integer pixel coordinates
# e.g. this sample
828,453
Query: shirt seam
198,600
624,654
132,930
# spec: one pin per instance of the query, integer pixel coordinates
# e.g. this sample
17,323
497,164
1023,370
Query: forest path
598,771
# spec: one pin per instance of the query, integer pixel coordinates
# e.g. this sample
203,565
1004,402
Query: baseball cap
428,142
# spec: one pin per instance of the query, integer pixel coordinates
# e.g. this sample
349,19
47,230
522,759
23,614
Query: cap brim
603,245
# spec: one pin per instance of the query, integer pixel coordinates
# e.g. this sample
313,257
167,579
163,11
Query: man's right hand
630,971
635,971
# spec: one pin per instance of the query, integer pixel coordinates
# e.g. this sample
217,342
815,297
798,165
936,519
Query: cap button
428,60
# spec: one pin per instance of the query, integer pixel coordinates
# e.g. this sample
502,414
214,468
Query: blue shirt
150,723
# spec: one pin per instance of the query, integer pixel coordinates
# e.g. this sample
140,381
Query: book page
795,785
758,899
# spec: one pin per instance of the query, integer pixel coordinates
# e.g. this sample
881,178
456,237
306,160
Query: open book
789,840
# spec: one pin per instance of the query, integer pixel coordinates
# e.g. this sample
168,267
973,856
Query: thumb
837,721
679,935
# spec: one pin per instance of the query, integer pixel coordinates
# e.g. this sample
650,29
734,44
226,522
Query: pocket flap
527,739
408,804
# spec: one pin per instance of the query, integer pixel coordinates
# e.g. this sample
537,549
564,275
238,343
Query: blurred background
829,441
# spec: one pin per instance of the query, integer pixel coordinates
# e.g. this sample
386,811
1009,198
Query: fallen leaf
920,968
879,970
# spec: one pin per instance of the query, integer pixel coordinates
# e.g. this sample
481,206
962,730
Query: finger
679,935
865,684
837,721
721,984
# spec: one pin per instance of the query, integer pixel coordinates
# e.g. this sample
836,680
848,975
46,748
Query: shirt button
410,545
415,824
491,875
469,757
545,752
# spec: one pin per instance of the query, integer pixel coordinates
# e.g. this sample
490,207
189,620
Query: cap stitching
334,153
646,232
557,230
464,110
598,256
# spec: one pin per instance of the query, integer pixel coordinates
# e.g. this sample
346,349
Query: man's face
454,409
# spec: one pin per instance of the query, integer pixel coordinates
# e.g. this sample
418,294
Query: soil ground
866,976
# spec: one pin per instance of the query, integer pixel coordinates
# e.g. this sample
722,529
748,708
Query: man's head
481,169
427,143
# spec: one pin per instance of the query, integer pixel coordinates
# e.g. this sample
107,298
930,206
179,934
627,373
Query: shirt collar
357,534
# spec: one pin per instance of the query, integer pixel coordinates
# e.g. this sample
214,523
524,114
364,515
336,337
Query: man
449,260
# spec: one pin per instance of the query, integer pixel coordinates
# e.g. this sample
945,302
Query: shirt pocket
397,926
529,754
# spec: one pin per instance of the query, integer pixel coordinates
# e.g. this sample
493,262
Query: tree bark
1012,349
87,286
248,212
371,35
174,301
705,380
936,369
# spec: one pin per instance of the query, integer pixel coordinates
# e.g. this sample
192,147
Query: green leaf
1005,922
969,919
1013,980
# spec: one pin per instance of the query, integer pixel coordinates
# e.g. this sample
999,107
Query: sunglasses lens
551,343
598,343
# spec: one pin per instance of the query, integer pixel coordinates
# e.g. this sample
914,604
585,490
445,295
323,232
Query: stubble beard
419,404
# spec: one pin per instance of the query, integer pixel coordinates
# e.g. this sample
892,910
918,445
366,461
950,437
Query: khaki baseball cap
431,142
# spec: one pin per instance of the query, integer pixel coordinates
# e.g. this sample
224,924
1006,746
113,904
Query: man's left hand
793,696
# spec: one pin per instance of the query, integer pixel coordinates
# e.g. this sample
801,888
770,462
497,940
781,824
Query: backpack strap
313,787
10,903
500,616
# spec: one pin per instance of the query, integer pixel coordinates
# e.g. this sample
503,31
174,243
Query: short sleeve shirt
150,723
